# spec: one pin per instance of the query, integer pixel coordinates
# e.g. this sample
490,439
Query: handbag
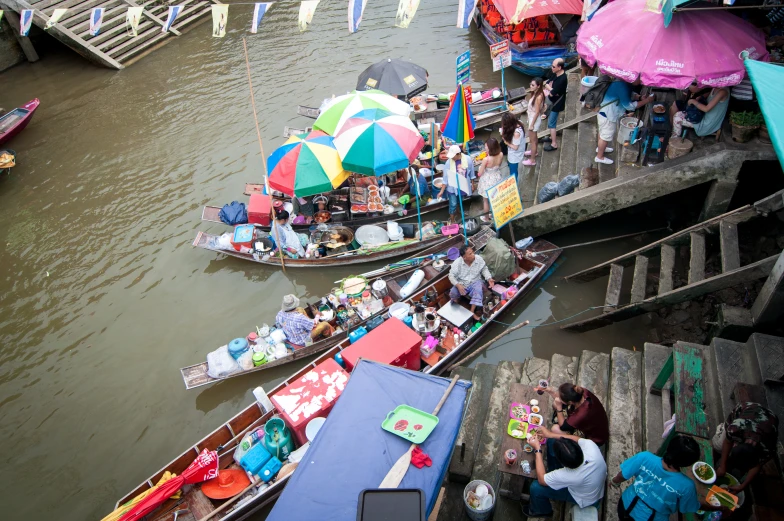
693,114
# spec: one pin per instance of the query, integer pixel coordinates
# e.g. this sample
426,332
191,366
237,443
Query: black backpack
592,99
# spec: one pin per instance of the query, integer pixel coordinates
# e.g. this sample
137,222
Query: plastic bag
568,184
221,364
245,360
499,259
548,192
233,213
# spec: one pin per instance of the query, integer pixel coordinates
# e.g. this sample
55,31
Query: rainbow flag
459,122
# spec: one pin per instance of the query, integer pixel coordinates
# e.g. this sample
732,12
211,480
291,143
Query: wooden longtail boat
227,436
196,375
359,256
16,120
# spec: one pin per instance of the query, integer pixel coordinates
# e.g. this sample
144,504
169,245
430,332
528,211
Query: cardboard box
391,343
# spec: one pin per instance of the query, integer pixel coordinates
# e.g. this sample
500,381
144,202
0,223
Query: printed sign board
463,67
505,202
501,55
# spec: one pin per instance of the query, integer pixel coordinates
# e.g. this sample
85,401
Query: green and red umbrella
306,164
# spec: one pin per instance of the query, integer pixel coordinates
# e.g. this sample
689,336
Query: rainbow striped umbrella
343,107
377,142
459,122
306,164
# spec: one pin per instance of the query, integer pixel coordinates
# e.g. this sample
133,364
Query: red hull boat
15,121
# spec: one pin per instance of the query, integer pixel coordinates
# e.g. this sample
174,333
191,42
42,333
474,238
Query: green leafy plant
746,119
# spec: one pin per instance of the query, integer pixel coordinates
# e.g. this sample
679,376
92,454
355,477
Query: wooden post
24,41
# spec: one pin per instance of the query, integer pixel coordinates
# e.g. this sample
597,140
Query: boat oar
399,469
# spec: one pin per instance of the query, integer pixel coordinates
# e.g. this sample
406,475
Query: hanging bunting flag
465,11
96,19
1,15
405,12
56,15
306,10
355,10
132,19
174,10
258,13
25,21
220,15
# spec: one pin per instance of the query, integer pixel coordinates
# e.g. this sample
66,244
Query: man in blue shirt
617,100
463,165
660,488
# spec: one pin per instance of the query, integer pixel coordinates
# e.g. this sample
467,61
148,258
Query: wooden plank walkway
113,46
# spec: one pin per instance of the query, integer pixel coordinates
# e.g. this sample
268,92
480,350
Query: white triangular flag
306,10
1,15
258,13
56,15
96,19
25,21
132,19
405,13
174,10
220,16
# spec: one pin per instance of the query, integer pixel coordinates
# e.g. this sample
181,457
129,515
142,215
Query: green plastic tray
512,424
410,424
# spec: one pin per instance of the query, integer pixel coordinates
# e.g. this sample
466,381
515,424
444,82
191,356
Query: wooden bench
687,368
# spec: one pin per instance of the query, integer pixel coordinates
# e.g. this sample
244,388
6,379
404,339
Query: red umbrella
515,11
204,467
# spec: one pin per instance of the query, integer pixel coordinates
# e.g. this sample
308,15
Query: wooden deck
113,46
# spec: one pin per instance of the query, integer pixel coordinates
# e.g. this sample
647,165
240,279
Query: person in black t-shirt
555,89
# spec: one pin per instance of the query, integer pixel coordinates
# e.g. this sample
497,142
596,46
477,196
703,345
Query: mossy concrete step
593,373
624,410
567,165
730,365
563,369
467,443
654,357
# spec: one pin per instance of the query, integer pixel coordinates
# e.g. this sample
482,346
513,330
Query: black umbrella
395,77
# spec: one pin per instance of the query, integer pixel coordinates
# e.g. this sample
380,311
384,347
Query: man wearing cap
462,165
298,327
466,276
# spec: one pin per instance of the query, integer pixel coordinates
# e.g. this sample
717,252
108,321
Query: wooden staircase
113,46
698,283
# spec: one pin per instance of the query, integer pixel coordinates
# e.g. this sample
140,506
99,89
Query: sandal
529,162
527,153
549,148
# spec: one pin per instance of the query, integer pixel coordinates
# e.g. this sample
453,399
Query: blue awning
767,79
352,452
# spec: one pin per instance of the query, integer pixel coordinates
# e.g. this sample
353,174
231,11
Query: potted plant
744,125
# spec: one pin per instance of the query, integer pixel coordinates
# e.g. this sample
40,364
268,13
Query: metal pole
419,214
460,199
503,84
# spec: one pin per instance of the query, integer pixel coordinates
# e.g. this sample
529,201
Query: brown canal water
102,299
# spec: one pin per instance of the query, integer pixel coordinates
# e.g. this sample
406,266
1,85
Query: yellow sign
505,202
371,83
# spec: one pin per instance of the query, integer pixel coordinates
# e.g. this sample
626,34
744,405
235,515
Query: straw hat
289,302
229,483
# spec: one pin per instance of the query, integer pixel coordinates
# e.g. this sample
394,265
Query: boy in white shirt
580,481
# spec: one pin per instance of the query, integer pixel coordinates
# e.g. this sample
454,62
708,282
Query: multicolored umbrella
459,122
515,11
630,42
377,142
343,107
306,164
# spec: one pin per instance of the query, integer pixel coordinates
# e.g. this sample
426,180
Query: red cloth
419,459
204,467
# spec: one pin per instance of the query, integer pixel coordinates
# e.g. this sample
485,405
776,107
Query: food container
517,429
535,420
510,456
520,408
399,310
700,465
380,288
450,229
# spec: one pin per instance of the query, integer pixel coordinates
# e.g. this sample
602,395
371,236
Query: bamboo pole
263,158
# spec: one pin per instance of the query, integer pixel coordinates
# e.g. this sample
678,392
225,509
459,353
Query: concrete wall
718,164
10,52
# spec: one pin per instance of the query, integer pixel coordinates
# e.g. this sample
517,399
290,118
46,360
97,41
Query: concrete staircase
576,148
698,281
113,46
622,381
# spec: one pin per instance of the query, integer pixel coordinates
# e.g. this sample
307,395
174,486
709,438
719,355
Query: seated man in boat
298,327
466,276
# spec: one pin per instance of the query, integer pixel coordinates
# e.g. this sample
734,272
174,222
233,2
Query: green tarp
767,79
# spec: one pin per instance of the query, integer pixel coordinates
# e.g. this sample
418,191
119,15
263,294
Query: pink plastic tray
524,406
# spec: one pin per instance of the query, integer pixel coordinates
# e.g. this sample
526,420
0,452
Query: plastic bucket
586,83
452,254
313,427
626,127
478,514
399,310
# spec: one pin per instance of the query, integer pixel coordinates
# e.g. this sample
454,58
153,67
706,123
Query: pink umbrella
630,42
515,11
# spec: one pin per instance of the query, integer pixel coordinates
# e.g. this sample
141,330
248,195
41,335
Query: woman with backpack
513,135
536,108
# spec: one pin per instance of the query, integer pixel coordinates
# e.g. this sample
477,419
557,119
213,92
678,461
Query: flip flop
549,148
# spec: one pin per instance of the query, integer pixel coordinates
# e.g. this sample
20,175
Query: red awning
515,11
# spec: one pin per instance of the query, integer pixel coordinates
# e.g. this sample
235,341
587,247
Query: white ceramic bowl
706,481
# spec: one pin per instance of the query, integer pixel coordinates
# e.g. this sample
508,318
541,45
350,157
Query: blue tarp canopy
767,79
352,452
